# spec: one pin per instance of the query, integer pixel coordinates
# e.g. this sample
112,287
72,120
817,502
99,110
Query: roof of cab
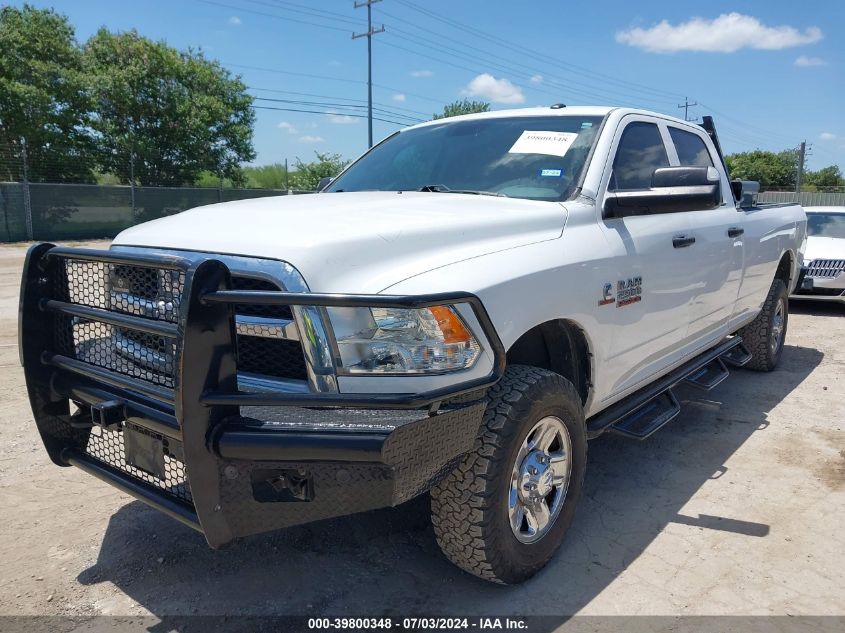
544,111
560,110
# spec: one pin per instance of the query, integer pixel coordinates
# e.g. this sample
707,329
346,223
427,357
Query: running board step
737,356
712,374
649,418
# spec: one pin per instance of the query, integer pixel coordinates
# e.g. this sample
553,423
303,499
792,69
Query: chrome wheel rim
540,479
777,327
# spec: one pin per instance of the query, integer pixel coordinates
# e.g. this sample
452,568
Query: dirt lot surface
735,508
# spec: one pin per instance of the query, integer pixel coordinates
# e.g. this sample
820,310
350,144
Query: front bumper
224,462
821,288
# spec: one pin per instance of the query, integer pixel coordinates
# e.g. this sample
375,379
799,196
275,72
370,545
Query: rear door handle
735,231
682,241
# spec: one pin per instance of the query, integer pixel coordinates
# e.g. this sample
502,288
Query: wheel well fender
786,269
560,346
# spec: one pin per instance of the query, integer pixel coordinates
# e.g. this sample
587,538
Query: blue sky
770,72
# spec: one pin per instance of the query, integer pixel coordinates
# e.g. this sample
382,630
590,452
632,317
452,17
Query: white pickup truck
456,313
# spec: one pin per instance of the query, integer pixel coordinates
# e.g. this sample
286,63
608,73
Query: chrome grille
268,341
825,268
142,291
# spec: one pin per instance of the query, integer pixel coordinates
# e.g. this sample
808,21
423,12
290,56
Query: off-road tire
469,507
757,335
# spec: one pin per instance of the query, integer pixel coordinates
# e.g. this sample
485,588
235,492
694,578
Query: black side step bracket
738,356
712,374
649,418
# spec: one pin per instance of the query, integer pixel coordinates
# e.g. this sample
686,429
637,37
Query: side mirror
324,182
673,190
745,193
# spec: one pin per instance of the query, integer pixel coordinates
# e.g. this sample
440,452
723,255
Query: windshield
826,224
539,158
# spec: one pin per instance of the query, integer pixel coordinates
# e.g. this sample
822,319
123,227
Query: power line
339,106
327,78
308,11
357,116
747,126
271,15
311,94
311,12
512,65
587,73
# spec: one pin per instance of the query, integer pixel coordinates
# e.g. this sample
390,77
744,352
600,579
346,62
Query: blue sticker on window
551,173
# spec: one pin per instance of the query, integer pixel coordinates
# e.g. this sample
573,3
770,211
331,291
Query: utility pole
369,35
686,105
132,180
802,151
27,200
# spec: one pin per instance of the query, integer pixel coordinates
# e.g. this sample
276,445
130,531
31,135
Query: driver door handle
682,241
735,231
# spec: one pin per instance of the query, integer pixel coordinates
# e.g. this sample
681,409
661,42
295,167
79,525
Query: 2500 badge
628,291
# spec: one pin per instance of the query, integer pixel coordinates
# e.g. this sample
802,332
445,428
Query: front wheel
765,335
504,511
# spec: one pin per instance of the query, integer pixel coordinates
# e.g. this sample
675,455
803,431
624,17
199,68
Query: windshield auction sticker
547,143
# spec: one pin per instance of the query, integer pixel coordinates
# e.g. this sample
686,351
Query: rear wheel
503,513
765,335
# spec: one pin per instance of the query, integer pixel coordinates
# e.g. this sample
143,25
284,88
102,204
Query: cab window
692,152
639,153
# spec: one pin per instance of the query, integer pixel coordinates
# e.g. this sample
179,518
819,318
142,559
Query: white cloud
311,139
725,34
495,90
342,119
422,73
399,97
827,136
536,80
803,60
235,21
284,125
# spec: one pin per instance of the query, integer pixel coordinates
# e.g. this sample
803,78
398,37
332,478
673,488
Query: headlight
402,341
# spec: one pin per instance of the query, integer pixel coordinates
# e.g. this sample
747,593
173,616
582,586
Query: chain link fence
47,197
805,198
50,211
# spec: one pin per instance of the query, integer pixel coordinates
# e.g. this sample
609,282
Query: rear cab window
692,151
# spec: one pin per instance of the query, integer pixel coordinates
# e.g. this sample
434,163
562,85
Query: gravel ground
735,508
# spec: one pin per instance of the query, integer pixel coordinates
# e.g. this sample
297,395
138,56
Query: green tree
772,170
306,176
177,113
42,98
464,106
825,178
266,176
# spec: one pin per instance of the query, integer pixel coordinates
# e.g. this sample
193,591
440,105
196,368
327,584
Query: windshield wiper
445,189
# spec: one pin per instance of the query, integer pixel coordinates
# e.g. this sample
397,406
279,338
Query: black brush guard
243,474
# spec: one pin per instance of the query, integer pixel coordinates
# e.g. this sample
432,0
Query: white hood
356,242
819,247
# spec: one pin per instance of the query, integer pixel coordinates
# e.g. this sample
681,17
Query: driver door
655,276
